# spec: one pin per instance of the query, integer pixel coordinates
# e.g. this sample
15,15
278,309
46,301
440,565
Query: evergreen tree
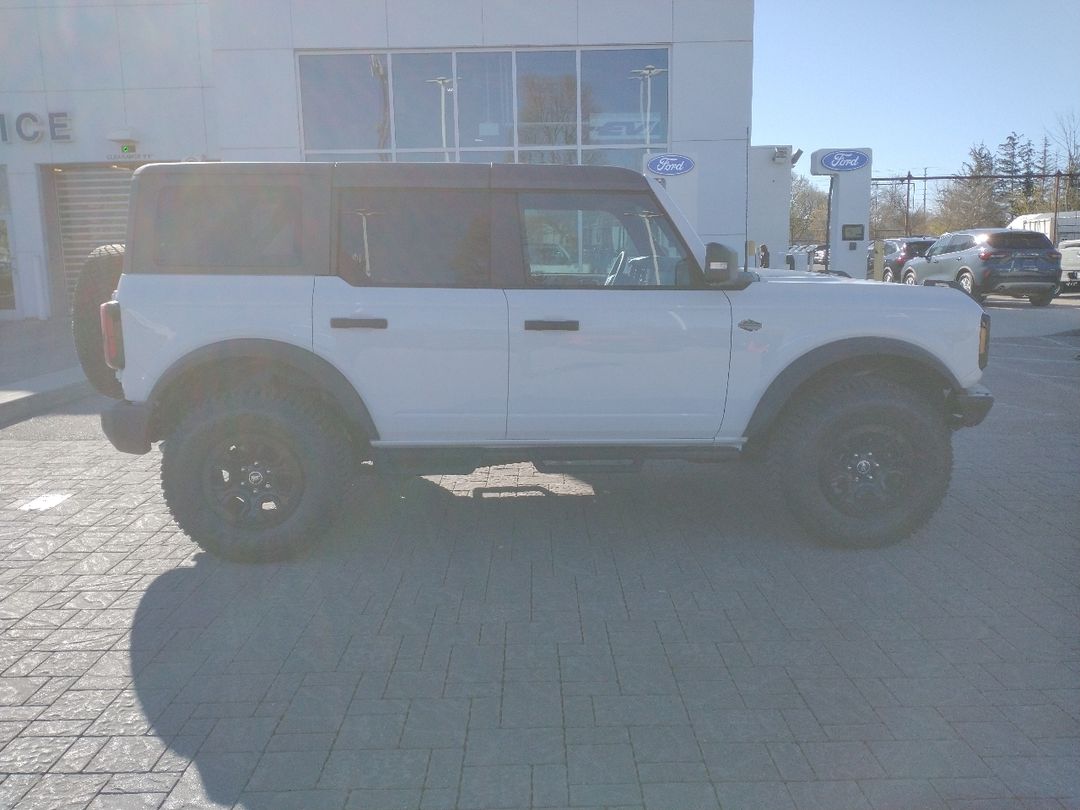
972,202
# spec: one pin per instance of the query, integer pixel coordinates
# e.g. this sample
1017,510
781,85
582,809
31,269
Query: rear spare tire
95,286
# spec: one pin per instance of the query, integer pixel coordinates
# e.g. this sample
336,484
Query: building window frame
454,150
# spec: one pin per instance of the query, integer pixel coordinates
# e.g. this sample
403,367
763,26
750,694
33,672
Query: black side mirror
722,268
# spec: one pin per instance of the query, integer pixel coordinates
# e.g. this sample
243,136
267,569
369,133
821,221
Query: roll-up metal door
92,209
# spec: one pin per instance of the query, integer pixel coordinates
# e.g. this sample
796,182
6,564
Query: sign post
849,206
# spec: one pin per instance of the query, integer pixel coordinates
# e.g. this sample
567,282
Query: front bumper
127,426
967,407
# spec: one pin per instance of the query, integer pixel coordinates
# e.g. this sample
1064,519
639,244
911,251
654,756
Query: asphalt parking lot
511,639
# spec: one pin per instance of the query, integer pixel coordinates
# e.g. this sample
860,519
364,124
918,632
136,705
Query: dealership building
91,91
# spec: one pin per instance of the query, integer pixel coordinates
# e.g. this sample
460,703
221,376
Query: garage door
92,209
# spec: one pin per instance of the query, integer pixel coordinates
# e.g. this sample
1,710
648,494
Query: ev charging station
849,206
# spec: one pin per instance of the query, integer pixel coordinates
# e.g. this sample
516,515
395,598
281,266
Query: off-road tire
95,286
826,435
300,437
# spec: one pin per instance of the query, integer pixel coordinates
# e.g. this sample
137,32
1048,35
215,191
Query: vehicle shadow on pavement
435,609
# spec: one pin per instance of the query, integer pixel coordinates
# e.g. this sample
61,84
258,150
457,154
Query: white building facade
93,91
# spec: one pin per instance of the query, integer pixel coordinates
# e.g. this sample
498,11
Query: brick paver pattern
512,639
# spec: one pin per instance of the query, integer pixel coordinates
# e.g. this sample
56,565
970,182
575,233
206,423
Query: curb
27,398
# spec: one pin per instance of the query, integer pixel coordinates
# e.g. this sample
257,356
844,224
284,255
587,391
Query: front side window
414,237
945,246
600,240
242,227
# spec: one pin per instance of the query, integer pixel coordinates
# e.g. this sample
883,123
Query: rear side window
241,227
414,237
1020,240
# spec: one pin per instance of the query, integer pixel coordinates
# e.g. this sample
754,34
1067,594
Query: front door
617,341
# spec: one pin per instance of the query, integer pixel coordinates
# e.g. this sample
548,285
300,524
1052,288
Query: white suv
276,323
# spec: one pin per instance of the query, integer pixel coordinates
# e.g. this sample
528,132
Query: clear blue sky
917,81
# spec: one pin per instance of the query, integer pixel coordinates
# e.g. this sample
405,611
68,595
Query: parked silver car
1021,264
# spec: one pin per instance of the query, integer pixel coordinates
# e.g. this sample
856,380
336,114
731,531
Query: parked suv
1021,264
897,253
276,324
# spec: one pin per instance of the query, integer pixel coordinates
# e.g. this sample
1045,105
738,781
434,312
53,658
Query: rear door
943,260
409,315
620,345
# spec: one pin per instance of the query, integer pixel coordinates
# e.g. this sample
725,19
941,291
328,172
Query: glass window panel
563,157
423,100
485,98
414,238
236,226
345,101
427,157
547,97
624,96
486,157
348,157
626,158
7,282
600,240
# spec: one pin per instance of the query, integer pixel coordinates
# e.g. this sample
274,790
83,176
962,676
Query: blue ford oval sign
670,165
844,160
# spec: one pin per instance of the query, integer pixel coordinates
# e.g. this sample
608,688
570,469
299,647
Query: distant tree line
969,201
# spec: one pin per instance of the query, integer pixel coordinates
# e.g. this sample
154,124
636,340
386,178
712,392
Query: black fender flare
279,356
809,365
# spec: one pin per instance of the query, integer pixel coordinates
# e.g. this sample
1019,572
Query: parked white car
1070,266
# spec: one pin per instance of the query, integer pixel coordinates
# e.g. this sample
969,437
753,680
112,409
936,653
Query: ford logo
670,165
844,160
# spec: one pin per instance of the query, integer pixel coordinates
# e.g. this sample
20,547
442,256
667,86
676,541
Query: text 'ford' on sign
844,160
670,165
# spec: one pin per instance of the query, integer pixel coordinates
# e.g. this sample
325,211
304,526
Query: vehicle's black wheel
1041,300
94,287
910,279
887,275
862,462
255,476
966,282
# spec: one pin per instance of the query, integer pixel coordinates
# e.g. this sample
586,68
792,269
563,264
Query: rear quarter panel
166,317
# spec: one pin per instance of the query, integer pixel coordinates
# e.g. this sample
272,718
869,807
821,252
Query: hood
781,274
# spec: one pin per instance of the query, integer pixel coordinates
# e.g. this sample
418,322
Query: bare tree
809,211
1066,137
